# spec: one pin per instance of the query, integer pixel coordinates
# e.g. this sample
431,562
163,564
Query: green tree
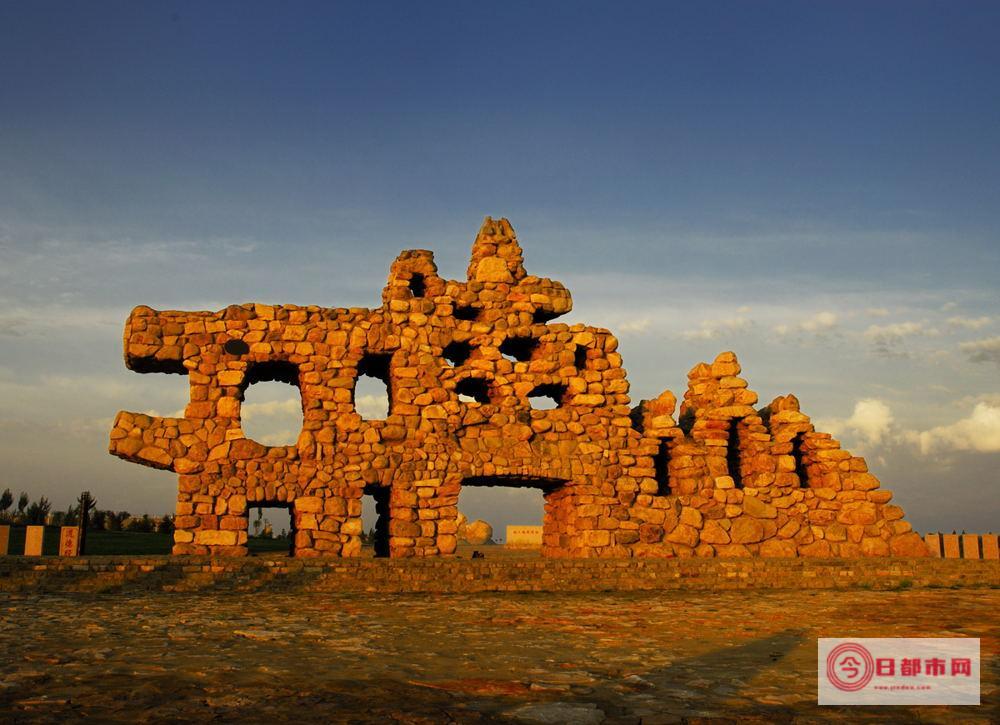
140,524
165,525
6,499
38,512
98,520
22,506
115,519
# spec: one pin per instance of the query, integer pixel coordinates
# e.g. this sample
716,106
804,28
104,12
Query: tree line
39,513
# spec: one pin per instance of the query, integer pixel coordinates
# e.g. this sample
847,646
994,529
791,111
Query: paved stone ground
561,658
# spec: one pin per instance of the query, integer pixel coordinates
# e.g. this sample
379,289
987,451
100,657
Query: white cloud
820,321
271,408
889,340
877,312
896,331
633,326
285,437
979,431
712,329
985,350
870,422
970,323
818,324
372,407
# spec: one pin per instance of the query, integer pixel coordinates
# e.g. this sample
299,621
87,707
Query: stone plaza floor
649,657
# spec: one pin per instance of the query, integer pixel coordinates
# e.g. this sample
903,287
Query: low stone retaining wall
104,573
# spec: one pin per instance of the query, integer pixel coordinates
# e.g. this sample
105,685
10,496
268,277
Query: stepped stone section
465,363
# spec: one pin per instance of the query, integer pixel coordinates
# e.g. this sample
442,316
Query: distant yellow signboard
33,536
69,541
524,537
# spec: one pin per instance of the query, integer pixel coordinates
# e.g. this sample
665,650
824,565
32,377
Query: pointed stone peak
496,254
783,403
726,365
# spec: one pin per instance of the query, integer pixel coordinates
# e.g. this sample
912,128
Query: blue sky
814,185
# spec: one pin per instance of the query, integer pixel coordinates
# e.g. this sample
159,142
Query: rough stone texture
463,362
371,658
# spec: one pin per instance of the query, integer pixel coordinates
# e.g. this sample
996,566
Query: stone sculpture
464,363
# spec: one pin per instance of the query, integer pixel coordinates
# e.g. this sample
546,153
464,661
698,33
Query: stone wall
455,575
464,363
964,546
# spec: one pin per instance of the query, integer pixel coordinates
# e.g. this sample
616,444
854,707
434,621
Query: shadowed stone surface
466,366
616,658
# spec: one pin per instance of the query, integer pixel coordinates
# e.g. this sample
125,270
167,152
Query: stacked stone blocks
464,364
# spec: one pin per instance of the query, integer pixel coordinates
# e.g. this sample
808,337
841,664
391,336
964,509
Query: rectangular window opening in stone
661,468
487,505
270,529
580,358
418,285
375,519
799,457
734,458
271,407
172,394
372,388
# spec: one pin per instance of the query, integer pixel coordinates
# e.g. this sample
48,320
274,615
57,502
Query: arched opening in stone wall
457,352
503,501
466,312
734,459
541,316
375,519
686,419
547,397
271,407
661,468
418,285
372,388
799,457
518,349
473,390
270,529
